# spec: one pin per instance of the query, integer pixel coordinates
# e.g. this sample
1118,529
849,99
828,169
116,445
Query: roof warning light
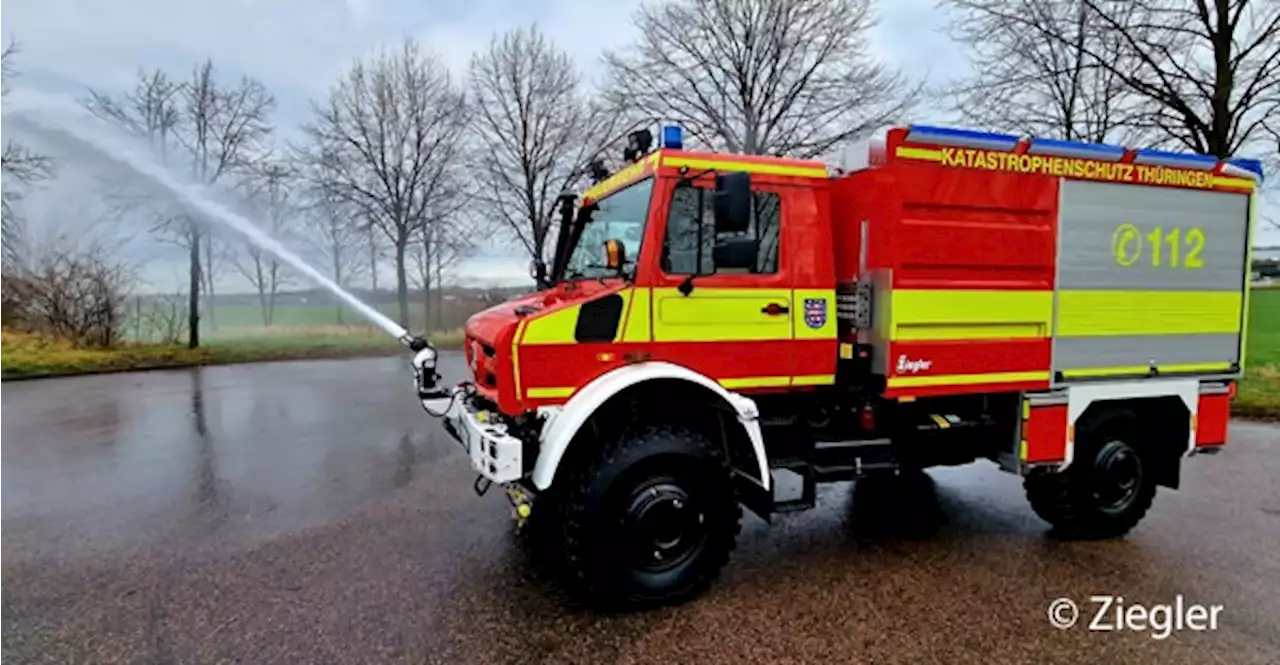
672,137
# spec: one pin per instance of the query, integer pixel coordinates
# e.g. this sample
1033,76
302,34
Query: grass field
1260,391
28,356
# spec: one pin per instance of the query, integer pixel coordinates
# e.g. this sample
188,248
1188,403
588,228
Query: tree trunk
439,290
271,297
208,271
337,274
262,290
193,298
402,283
373,261
426,279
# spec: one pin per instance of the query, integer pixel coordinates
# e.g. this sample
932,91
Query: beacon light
672,137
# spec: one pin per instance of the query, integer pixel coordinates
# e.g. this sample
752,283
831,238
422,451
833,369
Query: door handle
775,309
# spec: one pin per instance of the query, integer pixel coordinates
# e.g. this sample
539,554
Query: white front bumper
494,453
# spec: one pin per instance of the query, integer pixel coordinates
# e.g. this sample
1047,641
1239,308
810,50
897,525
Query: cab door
729,319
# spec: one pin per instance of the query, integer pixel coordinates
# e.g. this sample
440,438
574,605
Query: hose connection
425,378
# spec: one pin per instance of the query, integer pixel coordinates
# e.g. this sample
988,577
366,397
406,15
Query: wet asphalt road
310,513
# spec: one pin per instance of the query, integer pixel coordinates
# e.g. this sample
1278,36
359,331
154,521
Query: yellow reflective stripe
720,315
1133,370
547,393
965,379
554,328
636,326
1248,286
813,380
756,382
919,153
1108,313
731,383
814,171
846,351
969,314
515,353
622,178
1228,181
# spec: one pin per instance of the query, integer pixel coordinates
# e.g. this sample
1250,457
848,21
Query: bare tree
441,247
1045,87
75,294
338,234
388,140
535,131
1208,71
760,76
224,132
218,129
166,319
21,167
271,185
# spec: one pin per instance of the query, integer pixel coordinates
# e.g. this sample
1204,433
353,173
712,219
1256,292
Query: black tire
1107,489
648,519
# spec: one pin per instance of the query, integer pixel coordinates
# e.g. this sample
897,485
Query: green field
1260,391
1264,328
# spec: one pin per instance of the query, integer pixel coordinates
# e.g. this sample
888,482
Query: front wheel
648,519
1107,489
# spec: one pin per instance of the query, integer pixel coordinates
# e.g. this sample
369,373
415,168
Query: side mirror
733,202
735,253
615,255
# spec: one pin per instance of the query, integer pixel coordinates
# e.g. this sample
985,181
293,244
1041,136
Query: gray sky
299,47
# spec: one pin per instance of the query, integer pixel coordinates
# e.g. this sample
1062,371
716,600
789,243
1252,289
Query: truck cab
1072,312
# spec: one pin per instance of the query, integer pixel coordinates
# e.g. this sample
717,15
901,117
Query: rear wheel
1107,489
649,519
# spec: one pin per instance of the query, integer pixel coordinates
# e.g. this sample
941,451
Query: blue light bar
672,137
1183,160
965,138
1059,148
1248,164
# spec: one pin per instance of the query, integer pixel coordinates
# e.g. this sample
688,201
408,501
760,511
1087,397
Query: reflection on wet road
309,512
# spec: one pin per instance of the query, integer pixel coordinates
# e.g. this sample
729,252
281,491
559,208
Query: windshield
620,216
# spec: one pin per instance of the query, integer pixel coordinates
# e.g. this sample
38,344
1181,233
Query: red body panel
960,229
1045,434
1214,411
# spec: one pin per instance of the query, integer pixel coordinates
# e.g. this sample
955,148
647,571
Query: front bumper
494,452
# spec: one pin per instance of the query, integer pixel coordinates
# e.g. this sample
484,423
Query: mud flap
753,495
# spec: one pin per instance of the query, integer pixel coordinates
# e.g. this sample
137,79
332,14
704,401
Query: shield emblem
815,312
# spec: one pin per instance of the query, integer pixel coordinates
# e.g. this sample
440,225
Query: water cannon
425,378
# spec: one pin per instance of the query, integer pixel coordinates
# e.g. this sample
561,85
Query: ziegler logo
909,366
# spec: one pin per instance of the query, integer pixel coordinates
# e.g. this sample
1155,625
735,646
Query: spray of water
92,136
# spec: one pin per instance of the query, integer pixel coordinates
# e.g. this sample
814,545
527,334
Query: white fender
561,426
1079,397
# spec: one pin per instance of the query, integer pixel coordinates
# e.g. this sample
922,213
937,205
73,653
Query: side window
690,240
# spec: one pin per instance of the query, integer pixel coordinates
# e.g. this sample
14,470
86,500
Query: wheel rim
1117,476
664,526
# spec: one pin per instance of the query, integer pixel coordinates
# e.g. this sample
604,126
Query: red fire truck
1072,312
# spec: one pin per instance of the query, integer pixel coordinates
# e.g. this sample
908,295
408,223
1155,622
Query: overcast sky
299,47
